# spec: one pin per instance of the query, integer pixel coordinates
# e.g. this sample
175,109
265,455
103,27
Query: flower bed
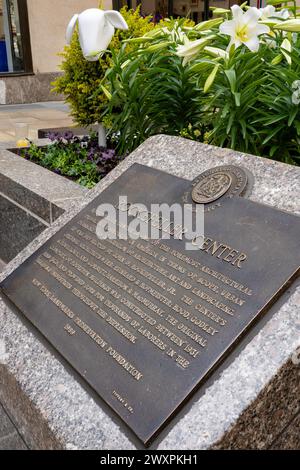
231,81
77,158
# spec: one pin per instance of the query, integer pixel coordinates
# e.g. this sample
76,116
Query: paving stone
6,426
36,115
9,436
12,442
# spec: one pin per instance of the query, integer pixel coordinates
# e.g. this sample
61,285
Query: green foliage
81,78
278,117
233,103
151,89
180,79
250,108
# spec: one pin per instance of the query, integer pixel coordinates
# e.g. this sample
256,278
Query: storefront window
197,10
12,57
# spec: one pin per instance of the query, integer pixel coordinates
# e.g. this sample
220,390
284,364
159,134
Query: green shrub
81,78
151,90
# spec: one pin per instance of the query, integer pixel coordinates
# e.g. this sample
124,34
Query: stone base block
252,399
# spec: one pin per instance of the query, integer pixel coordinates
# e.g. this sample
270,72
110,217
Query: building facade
32,33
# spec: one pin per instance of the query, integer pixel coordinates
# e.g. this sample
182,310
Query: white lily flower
270,12
175,34
296,97
296,85
244,28
296,92
190,49
96,29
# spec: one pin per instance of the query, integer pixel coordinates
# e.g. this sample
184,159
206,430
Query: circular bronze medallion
211,187
217,184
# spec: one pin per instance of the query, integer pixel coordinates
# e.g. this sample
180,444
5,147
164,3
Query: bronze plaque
145,321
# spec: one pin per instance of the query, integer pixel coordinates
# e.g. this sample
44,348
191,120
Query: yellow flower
22,143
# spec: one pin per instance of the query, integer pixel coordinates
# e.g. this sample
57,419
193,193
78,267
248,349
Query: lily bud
289,25
106,92
277,59
286,46
216,52
211,78
204,25
157,47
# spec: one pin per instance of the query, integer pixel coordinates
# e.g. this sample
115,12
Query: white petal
236,42
252,15
295,99
262,29
237,12
295,84
285,14
269,10
286,45
228,27
252,44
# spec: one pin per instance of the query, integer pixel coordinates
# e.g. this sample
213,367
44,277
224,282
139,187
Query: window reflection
194,9
11,54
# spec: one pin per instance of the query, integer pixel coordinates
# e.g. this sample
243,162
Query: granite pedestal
250,401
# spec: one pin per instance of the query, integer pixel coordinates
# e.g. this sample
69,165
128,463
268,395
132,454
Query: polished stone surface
60,410
270,415
29,200
28,88
290,437
18,228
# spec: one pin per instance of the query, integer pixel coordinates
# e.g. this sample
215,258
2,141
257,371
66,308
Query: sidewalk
37,116
10,439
